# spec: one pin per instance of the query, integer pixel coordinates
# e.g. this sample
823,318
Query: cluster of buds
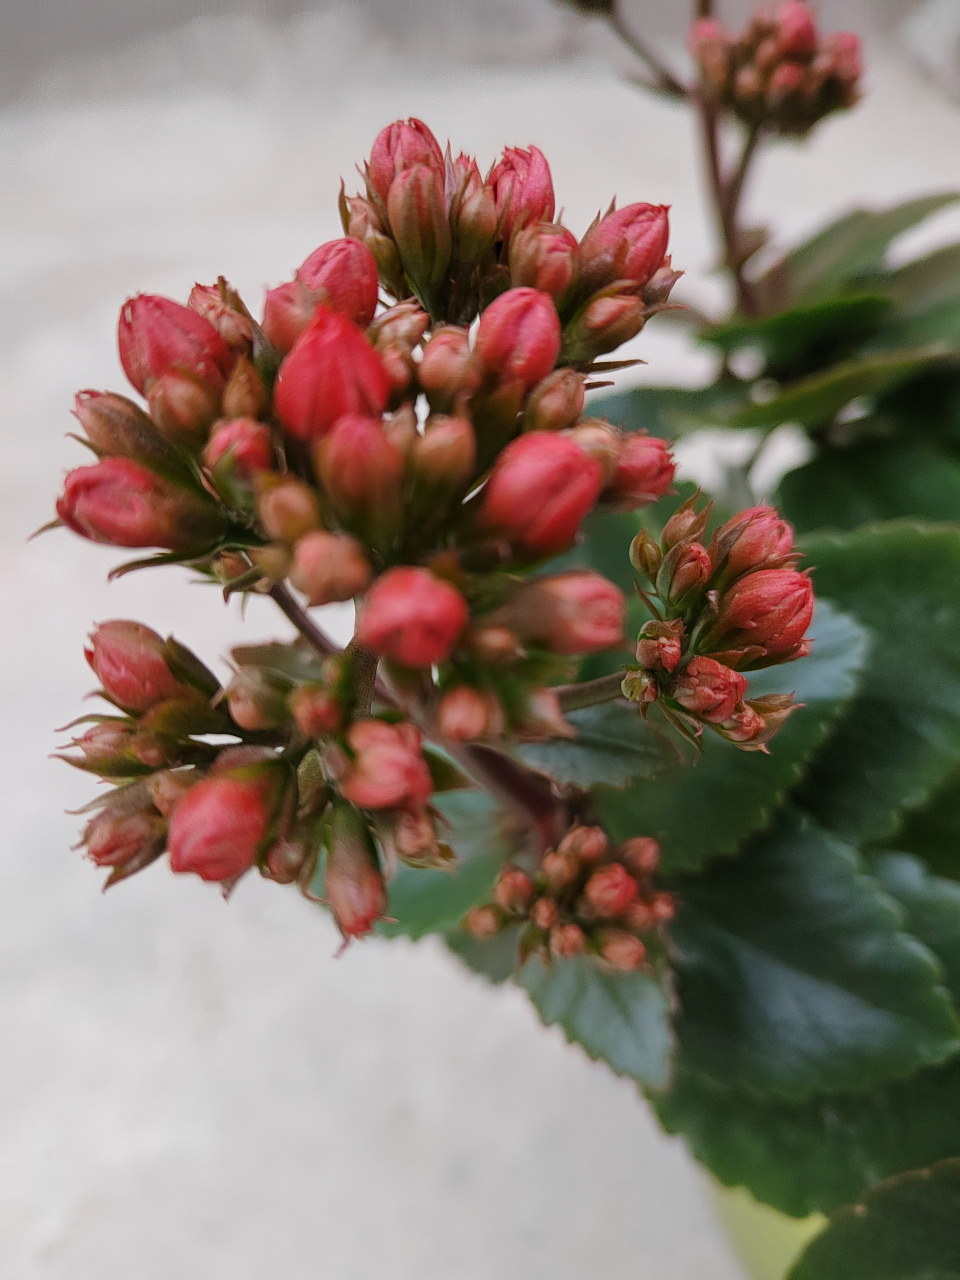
779,73
301,780
737,605
585,898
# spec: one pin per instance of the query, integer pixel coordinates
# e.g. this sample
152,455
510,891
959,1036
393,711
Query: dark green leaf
931,906
622,1019
422,901
806,331
669,411
495,959
906,1229
794,976
876,480
820,397
923,283
852,245
933,831
613,745
298,659
709,807
940,323
899,738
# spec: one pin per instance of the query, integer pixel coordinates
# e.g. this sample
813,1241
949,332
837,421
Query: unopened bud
241,448
544,913
388,769
343,273
628,244
284,861
574,612
708,690
523,189
556,402
287,311
353,885
221,824
567,940
362,474
497,645
449,371
115,839
640,687
361,221
686,569
420,226
685,523
601,442
513,891
544,256
660,645
413,617
211,302
182,406
131,663
645,555
157,336
316,710
767,610
587,844
400,326
796,33
244,396
398,147
640,855
117,427
465,714
621,950
753,539
473,218
606,322
288,510
518,337
609,891
483,922
643,473
329,567
559,870
442,462
168,787
257,699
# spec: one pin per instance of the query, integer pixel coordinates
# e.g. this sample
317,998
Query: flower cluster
779,73
737,605
585,898
421,457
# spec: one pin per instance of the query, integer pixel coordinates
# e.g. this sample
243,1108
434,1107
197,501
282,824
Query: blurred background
199,1091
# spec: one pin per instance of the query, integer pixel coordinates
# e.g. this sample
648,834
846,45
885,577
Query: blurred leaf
494,958
820,397
899,738
810,332
613,745
931,906
622,1019
422,901
852,245
875,480
933,831
794,975
709,807
905,1229
298,659
670,411
940,323
924,282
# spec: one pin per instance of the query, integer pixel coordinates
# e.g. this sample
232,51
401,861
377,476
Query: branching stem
574,696
303,623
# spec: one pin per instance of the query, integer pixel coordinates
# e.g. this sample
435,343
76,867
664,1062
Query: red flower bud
413,617
640,855
752,539
353,884
544,913
420,226
483,922
473,215
513,891
628,244
576,612
686,568
130,661
609,891
539,491
559,870
556,403
442,461
400,146
257,699
786,82
183,406
744,726
288,510
362,473
331,371
844,53
708,690
220,825
168,788
770,609
523,189
316,710
609,319
519,336
113,840
660,645
567,940
243,445
388,770
645,471
449,370
121,503
287,311
621,950
599,441
586,844
465,713
157,335
344,273
233,326
329,566
544,256
796,34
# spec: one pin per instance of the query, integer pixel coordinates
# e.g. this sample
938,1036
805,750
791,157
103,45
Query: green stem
365,676
591,692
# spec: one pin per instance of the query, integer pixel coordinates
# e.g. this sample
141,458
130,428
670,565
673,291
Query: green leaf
820,397
702,809
669,411
613,745
495,958
875,480
795,978
427,901
814,1157
933,831
852,245
906,1229
936,324
899,738
924,282
931,906
622,1019
804,332
298,660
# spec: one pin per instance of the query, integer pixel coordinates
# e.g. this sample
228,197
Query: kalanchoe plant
549,733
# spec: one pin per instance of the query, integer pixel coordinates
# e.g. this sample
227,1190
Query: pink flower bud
183,406
388,770
539,491
519,336
586,844
708,690
523,189
442,461
513,891
243,445
287,312
316,710
331,371
233,326
599,441
621,950
464,714
412,617
660,645
640,855
121,503
753,539
628,244
483,922
245,396
744,726
288,510
645,472
113,840
157,335
329,566
221,824
567,940
473,217
559,870
130,661
420,226
576,612
362,473
115,749
796,34
640,687
609,891
556,403
543,256
168,788
609,319
344,273
398,147
705,31
686,569
257,699
786,82
846,58
769,609
545,914
449,370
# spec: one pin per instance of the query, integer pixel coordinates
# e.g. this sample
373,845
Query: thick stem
365,675
307,628
666,81
591,692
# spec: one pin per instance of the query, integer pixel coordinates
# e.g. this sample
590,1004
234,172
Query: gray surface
200,1091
